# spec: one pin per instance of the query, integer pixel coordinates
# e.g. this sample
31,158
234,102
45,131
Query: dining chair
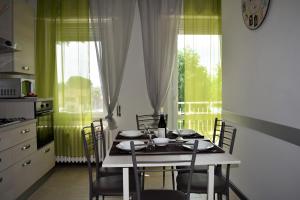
150,121
100,185
200,180
218,128
99,135
161,194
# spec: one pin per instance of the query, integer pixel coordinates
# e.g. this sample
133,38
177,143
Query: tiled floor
71,183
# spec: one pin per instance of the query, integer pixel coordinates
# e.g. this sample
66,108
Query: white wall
133,94
261,72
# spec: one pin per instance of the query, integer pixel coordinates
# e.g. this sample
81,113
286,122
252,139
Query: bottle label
161,132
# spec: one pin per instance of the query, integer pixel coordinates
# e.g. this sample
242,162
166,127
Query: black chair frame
138,170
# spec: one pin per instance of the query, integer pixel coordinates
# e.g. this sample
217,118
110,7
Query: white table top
201,159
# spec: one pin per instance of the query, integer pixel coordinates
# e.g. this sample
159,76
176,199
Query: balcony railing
199,116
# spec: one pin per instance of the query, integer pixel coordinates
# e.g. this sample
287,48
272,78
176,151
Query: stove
9,121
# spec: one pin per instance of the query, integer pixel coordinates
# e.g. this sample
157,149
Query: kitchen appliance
16,87
44,116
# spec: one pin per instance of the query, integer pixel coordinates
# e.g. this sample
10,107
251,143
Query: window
199,82
79,89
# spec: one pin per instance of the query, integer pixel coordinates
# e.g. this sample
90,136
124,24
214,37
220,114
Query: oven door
45,132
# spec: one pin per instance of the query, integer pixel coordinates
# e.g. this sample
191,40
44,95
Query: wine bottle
162,126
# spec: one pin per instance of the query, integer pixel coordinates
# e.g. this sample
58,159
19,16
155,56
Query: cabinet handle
0,159
26,163
25,131
25,68
1,179
25,147
47,150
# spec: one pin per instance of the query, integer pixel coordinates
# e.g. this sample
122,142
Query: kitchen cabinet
17,25
21,164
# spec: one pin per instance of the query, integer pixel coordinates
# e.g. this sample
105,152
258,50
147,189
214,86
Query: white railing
199,116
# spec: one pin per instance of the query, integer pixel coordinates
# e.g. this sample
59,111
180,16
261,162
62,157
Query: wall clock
254,12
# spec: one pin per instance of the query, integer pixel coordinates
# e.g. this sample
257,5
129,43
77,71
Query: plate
184,132
125,145
202,145
131,133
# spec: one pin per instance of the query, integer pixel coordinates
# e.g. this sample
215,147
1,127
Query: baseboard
237,191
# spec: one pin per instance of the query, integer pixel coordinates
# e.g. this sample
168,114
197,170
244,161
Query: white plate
125,145
202,145
131,133
184,132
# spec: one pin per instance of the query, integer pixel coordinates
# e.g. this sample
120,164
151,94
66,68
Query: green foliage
196,84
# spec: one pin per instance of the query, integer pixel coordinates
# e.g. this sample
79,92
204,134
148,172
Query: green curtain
200,76
63,69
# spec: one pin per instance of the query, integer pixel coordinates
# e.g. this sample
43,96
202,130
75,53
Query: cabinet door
6,32
23,30
19,177
6,10
46,159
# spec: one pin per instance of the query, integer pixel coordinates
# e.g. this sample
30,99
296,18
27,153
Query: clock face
254,12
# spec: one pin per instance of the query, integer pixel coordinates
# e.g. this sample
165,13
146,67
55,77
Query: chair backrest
89,151
137,167
218,127
99,138
149,121
227,139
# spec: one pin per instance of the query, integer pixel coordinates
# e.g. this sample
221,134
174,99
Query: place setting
184,134
163,146
131,134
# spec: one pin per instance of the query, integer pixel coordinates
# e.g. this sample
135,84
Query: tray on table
165,150
169,135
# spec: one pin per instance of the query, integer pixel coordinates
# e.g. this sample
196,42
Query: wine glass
179,137
150,143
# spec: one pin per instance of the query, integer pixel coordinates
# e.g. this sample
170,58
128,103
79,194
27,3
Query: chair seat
111,186
199,183
161,195
110,171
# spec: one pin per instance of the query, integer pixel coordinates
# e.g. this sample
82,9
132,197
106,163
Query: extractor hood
7,46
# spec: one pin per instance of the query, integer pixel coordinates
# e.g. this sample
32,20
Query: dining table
118,158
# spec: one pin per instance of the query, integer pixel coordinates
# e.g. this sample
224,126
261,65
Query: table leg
210,188
125,184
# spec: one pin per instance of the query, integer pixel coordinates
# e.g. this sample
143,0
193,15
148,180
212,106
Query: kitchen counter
16,125
24,99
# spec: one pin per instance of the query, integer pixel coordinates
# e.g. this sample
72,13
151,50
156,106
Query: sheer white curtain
160,21
111,27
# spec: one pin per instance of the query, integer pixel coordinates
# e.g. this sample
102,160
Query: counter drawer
14,154
17,135
19,177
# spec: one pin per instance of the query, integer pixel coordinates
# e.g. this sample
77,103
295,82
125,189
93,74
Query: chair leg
219,196
164,176
173,179
143,179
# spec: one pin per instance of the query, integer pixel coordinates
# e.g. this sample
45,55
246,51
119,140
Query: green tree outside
201,92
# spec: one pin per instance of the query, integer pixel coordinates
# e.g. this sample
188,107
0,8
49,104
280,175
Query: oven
44,116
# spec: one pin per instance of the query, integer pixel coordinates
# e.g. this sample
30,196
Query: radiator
69,146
